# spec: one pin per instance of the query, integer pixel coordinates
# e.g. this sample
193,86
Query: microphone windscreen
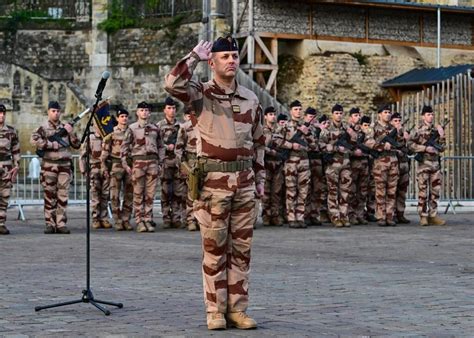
105,75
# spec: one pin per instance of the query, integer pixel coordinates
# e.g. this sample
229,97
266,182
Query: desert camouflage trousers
386,180
315,198
100,189
338,176
370,204
173,195
5,189
297,177
271,201
189,216
144,180
402,186
121,181
226,212
359,187
429,187
55,179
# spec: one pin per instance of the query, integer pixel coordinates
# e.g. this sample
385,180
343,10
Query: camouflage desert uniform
338,174
55,172
119,178
315,199
370,203
231,146
360,183
186,152
100,185
428,174
296,171
271,201
172,183
403,175
9,158
143,144
385,173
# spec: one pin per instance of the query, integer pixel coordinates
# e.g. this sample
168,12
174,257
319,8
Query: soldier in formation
271,201
185,151
144,146
9,165
429,167
100,182
230,149
55,168
120,179
172,183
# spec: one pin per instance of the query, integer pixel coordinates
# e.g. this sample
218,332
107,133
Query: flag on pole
103,120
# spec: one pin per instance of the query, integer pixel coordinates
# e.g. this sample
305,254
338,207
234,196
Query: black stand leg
87,296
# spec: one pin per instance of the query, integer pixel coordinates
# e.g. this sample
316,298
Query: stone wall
323,80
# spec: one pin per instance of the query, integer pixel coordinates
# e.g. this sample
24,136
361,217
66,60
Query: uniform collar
52,124
142,123
222,93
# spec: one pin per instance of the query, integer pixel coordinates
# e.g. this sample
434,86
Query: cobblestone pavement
321,281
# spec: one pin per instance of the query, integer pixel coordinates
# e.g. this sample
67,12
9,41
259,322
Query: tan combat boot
127,225
149,226
119,225
345,222
241,320
106,224
324,218
337,223
141,227
436,221
424,221
216,321
96,225
192,226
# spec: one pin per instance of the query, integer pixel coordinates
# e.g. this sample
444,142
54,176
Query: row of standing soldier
348,172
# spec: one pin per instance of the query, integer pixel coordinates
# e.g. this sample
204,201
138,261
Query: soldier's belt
58,162
5,158
207,165
299,153
315,155
145,157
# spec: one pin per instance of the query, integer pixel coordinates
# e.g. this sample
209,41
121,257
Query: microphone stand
87,296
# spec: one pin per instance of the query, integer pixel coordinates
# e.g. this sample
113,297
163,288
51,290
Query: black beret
3,109
426,109
354,110
225,44
295,103
143,104
269,109
337,107
170,102
396,116
121,111
383,107
323,118
365,119
310,111
54,105
282,117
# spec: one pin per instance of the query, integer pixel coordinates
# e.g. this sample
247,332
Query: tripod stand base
87,297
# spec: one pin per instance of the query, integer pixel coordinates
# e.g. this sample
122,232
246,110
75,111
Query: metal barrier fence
456,187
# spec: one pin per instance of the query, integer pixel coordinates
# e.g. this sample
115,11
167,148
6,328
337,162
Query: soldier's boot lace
216,321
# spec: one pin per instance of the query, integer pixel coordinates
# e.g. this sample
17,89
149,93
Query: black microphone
101,86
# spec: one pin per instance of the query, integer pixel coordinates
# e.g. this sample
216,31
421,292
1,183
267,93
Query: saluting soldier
120,180
271,201
403,169
143,144
186,158
429,168
359,173
172,182
9,165
231,145
55,168
338,172
385,169
100,183
296,167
